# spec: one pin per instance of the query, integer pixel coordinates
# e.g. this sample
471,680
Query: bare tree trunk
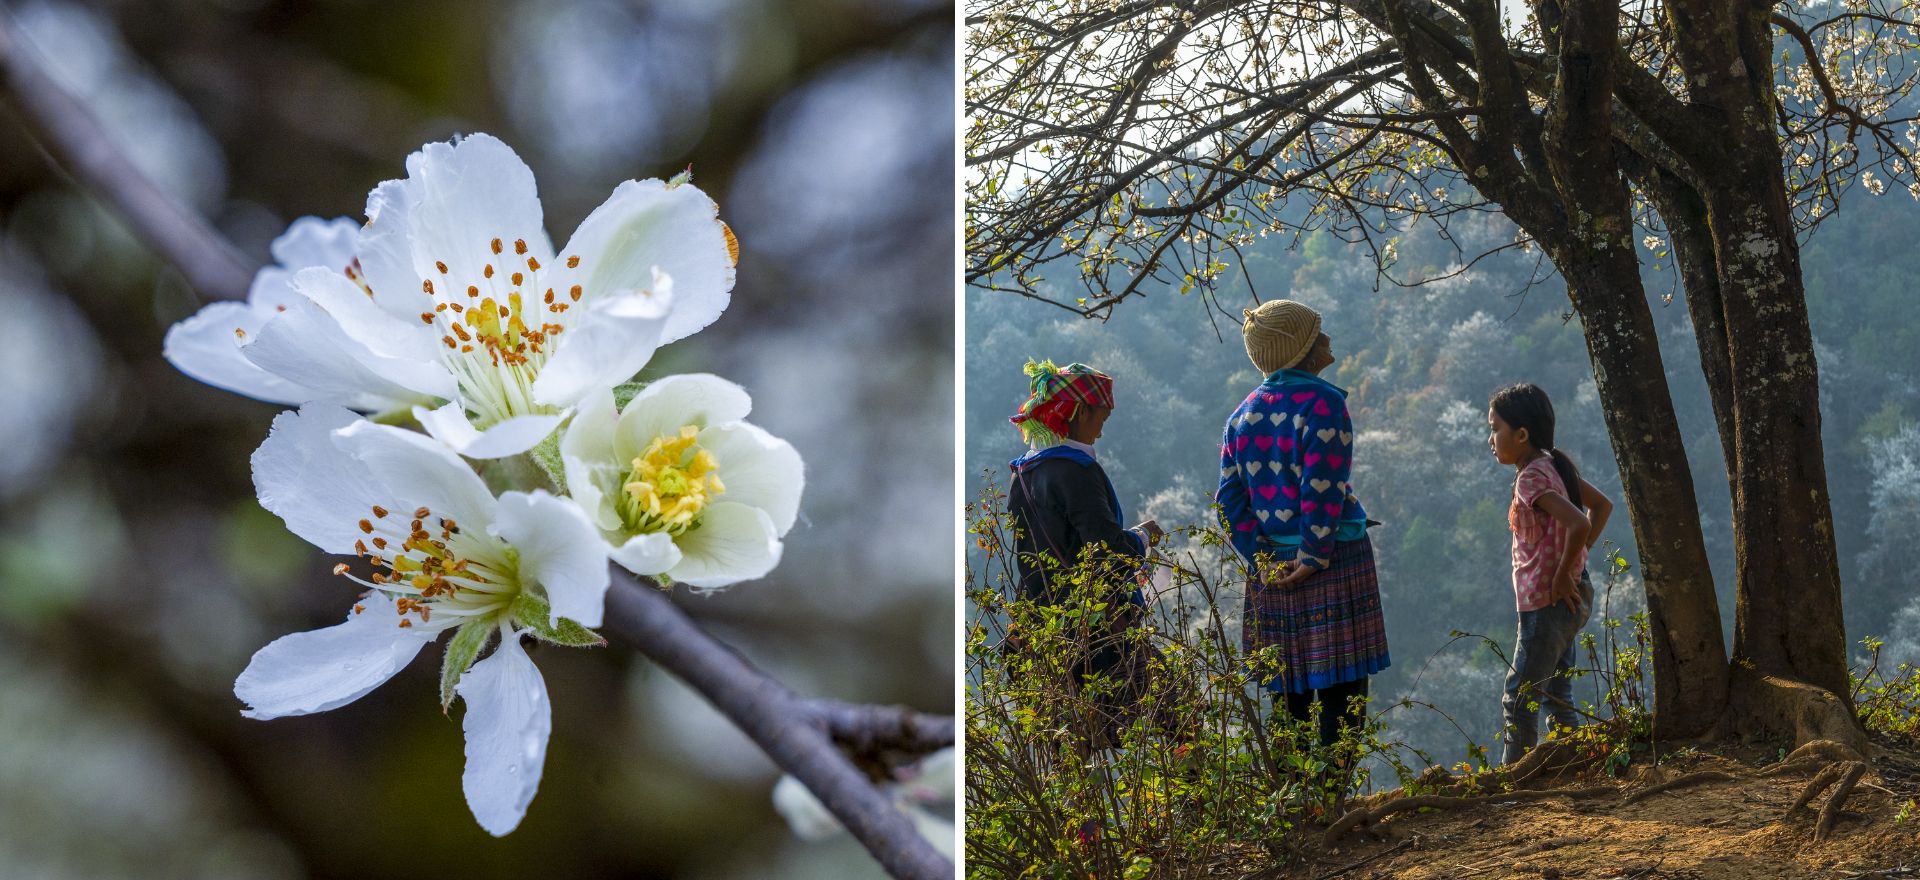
1692,242
1603,281
1689,651
1788,623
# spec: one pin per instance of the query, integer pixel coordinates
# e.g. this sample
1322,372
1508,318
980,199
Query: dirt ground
1711,831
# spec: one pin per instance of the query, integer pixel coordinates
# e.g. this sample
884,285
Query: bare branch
69,131
788,728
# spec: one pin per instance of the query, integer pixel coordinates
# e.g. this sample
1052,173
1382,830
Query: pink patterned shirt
1536,535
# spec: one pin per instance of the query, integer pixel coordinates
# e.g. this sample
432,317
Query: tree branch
869,730
787,727
69,131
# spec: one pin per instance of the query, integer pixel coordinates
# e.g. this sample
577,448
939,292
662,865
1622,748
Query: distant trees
1153,141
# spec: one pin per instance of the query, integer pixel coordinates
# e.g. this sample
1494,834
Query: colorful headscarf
1057,393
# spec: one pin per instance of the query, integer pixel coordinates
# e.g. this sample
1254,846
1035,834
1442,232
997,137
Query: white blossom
924,793
680,484
444,554
453,304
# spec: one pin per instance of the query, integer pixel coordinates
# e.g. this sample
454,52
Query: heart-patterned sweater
1286,463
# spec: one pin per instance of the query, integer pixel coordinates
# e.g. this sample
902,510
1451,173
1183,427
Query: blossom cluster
468,431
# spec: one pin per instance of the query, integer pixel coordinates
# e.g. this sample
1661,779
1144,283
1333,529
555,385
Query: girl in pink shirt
1552,532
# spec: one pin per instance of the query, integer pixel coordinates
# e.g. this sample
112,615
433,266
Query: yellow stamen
670,484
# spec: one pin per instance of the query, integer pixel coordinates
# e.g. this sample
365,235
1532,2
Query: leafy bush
1175,757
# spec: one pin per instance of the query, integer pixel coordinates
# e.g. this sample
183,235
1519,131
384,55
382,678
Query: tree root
1825,748
1843,777
1681,781
1816,754
1818,784
1550,757
1831,810
1798,767
1363,816
1807,713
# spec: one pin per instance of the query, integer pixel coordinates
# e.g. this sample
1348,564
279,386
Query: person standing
1065,511
1287,499
1555,516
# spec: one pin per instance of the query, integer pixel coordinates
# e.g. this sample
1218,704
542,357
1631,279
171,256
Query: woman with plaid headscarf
1064,509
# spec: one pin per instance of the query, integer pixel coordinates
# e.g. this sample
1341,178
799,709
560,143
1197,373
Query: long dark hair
1524,405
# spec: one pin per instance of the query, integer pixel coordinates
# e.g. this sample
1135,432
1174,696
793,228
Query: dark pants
1336,708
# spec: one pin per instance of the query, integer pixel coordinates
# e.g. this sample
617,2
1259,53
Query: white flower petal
272,290
304,345
364,321
317,488
465,195
507,724
560,549
308,242
758,469
418,470
385,246
449,424
734,543
805,814
646,224
698,399
206,347
936,777
326,668
647,554
937,831
586,453
313,241
607,345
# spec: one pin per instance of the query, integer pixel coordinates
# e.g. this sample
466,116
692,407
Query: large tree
1148,142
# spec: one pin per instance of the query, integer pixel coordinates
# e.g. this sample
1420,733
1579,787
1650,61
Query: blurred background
138,573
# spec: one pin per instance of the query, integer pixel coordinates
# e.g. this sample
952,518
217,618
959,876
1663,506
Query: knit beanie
1279,333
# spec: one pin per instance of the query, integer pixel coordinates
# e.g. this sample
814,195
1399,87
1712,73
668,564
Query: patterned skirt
1328,629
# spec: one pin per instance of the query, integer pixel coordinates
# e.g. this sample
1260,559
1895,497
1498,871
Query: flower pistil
672,481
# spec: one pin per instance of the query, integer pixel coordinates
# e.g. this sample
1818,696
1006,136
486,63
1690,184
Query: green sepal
401,417
546,454
466,644
533,612
624,393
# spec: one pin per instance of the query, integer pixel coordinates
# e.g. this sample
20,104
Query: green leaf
533,612
465,645
623,393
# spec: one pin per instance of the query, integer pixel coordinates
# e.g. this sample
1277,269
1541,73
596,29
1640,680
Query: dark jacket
1061,502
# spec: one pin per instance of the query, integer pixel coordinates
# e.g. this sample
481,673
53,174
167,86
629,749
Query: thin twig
69,132
766,711
870,730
